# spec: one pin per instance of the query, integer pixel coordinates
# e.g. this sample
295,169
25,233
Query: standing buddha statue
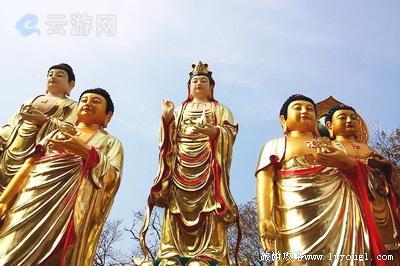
54,209
381,178
35,119
306,203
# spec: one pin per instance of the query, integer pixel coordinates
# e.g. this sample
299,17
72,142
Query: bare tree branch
153,235
387,143
106,253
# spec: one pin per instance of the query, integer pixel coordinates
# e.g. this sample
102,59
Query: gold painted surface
38,219
323,108
19,137
318,214
378,187
315,213
379,199
195,196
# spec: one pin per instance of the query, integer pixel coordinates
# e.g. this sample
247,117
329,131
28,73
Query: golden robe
59,214
193,185
384,199
385,208
18,138
316,210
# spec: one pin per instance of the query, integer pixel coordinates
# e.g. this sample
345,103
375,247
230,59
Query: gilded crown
200,69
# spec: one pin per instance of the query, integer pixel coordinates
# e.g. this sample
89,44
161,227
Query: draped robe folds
19,137
193,185
318,211
59,214
384,200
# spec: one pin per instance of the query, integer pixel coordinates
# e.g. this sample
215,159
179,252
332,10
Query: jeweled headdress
197,70
200,69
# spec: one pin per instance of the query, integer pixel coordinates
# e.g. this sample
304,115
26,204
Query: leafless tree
106,253
387,143
153,235
250,246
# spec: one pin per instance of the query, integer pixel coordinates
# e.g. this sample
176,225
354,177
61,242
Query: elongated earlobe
330,129
107,119
283,123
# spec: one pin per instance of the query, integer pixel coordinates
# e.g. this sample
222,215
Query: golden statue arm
15,185
265,206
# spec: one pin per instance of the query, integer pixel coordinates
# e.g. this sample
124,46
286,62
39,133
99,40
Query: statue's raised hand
167,107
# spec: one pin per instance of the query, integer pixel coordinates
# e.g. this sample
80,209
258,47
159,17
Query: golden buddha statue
54,208
341,122
35,119
305,199
192,182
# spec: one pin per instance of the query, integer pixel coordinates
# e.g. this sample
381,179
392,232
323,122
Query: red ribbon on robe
359,180
70,236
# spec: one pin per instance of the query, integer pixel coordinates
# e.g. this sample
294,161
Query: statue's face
57,82
344,123
300,117
200,88
92,109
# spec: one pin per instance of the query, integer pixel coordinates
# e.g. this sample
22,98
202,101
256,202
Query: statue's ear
107,119
70,87
282,120
72,84
329,126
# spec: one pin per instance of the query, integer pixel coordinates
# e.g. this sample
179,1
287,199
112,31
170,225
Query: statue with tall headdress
192,182
379,178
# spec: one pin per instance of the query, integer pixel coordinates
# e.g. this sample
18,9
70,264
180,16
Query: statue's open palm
167,107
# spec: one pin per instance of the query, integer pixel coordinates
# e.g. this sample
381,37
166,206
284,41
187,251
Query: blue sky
260,52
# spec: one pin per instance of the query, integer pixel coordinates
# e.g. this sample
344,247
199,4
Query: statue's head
60,79
95,107
298,113
341,120
200,84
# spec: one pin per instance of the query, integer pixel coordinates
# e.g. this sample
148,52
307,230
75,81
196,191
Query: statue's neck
57,95
87,127
300,134
200,100
345,139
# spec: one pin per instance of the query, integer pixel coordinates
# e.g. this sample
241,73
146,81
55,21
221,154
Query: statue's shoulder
222,107
67,103
178,110
272,152
70,102
110,139
275,146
